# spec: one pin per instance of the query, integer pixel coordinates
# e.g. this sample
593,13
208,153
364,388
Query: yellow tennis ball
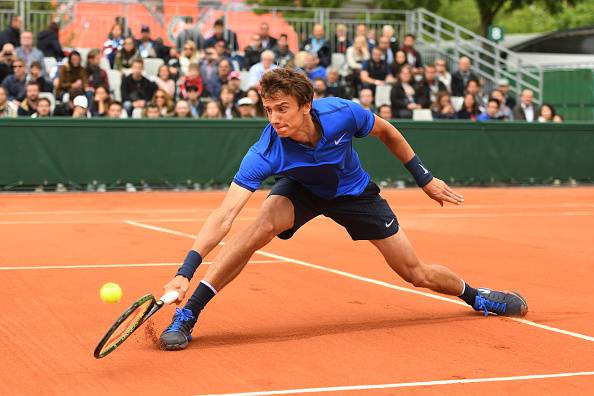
110,293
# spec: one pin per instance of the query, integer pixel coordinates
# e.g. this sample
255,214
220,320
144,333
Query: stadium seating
151,66
104,63
422,115
50,64
338,60
457,102
382,95
115,82
245,76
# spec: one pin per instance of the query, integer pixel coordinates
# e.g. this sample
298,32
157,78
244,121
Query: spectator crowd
211,77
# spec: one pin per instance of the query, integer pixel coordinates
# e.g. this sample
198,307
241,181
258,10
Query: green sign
496,33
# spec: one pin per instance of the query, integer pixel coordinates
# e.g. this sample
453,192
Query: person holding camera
7,57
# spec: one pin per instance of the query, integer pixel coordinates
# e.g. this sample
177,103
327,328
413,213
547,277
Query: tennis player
308,147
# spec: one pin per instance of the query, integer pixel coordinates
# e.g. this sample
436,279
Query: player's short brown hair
284,81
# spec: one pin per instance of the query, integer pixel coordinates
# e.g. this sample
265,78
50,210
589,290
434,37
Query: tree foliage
516,16
573,17
298,3
488,9
431,5
305,5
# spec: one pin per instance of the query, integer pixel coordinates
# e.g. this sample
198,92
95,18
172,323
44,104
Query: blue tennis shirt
329,170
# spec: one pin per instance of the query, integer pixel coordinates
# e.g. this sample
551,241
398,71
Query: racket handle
169,297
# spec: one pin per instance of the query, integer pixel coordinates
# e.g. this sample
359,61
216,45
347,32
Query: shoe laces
487,305
182,316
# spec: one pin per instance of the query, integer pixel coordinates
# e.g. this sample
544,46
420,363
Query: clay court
318,314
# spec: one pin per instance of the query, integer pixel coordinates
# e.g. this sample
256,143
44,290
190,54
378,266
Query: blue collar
320,143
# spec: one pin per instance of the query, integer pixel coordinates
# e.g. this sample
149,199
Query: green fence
571,92
171,152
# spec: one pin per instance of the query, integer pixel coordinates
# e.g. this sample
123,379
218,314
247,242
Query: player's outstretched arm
219,222
435,188
213,231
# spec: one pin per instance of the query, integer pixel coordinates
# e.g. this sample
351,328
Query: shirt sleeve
365,65
363,119
254,169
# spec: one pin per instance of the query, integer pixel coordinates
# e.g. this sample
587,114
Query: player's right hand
180,284
439,191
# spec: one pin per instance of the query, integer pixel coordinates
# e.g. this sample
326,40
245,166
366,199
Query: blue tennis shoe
179,333
500,303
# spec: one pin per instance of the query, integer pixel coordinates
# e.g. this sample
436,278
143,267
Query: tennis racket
138,313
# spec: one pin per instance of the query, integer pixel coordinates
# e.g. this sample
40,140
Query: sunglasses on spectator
187,48
159,96
16,66
210,53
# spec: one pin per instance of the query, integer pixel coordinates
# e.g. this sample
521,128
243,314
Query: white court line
405,384
115,221
372,281
112,211
15,268
160,229
488,215
39,222
190,220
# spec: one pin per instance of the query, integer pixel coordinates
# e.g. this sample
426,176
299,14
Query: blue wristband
418,170
191,263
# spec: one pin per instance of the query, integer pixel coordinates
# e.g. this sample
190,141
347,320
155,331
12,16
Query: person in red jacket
193,78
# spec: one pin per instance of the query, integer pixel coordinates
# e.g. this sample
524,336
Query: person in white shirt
258,70
28,53
525,110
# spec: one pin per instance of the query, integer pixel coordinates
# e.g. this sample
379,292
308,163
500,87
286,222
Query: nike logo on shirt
337,141
390,223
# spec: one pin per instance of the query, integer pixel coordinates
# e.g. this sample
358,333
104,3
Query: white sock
211,287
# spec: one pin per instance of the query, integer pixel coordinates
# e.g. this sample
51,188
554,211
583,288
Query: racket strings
128,325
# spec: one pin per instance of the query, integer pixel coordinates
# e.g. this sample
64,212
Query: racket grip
169,297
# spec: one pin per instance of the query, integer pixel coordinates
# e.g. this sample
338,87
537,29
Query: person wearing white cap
81,104
246,108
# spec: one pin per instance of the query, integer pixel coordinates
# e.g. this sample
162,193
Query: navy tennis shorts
365,217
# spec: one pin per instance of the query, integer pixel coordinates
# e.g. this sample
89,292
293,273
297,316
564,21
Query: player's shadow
311,330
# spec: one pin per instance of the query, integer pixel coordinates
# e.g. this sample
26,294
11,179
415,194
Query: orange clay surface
283,324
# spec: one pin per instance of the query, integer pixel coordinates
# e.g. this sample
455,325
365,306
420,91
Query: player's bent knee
266,229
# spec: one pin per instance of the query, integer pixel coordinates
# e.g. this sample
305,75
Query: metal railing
36,14
491,61
303,20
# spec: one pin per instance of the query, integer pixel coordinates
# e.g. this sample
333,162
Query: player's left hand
439,191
